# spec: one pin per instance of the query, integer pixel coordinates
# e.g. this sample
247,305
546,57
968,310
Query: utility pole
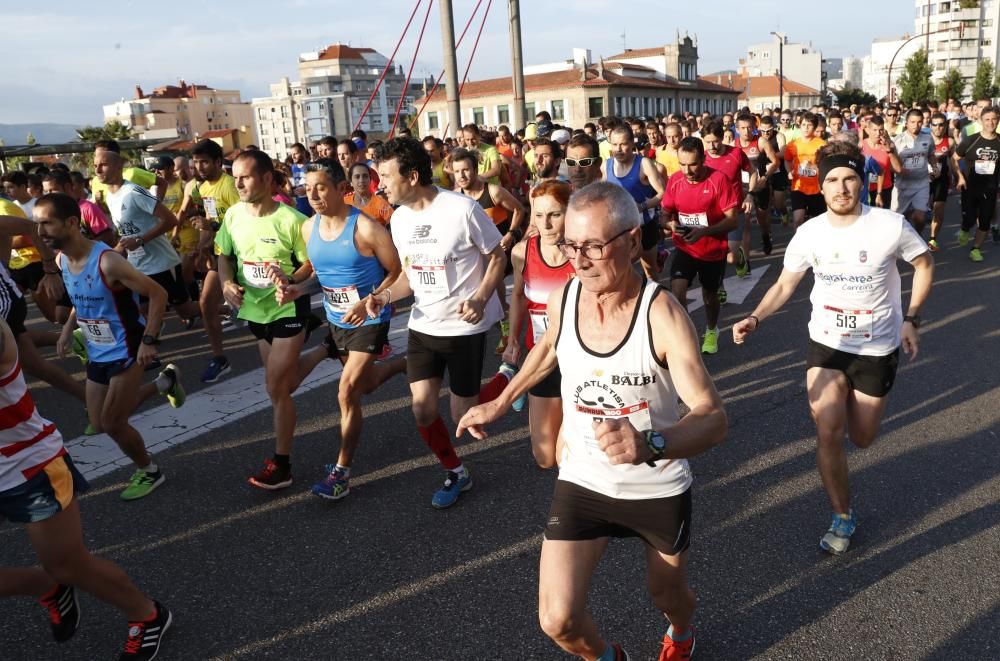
517,62
450,68
781,69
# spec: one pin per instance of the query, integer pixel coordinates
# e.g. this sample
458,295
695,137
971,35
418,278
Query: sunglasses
581,162
938,125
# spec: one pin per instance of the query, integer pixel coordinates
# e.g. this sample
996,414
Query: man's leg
937,220
666,578
712,307
355,381
798,217
211,300
38,367
864,417
679,288
564,574
282,374
828,396
432,429
121,398
544,423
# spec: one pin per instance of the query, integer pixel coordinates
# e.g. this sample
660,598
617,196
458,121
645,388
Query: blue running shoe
334,486
217,367
454,485
838,537
519,403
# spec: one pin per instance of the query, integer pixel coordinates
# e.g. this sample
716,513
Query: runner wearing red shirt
700,205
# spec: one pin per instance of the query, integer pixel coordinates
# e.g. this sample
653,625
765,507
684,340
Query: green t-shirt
255,243
488,155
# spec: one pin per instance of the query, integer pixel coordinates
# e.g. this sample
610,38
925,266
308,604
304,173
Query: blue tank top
109,318
346,275
632,182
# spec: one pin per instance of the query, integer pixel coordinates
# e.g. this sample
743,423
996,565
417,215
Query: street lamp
781,69
960,28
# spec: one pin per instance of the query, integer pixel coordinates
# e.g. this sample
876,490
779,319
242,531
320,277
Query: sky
71,58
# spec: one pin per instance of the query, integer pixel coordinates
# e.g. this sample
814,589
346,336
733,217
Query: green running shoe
141,484
963,237
504,337
976,255
723,297
79,346
710,343
742,263
175,393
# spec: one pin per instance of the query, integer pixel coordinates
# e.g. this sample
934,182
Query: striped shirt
27,440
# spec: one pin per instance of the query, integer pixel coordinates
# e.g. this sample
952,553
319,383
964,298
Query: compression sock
436,437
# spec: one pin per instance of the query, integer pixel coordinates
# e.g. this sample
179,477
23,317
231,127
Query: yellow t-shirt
668,159
217,197
488,156
174,196
19,257
604,148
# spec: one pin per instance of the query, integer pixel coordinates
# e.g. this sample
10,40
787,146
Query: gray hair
623,212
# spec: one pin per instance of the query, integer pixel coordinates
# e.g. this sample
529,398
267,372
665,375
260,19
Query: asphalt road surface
380,575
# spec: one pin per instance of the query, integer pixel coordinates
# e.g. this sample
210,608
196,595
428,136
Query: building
799,62
183,110
642,83
764,92
279,118
875,68
958,37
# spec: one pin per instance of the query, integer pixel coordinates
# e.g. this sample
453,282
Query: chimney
600,69
138,92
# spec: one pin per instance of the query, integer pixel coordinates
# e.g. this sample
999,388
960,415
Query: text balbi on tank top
628,382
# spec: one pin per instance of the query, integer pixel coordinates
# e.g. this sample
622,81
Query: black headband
840,161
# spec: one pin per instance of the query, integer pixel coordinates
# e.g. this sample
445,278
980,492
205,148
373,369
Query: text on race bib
985,167
341,299
808,170
255,274
96,331
849,324
693,219
211,212
637,414
539,323
429,280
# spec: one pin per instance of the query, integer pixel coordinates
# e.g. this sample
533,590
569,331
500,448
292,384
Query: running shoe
79,346
995,233
64,611
742,263
963,237
507,370
723,296
454,485
144,638
838,537
933,245
620,654
334,486
141,484
518,404
90,430
272,476
784,219
765,240
386,352
217,367
677,650
976,255
710,342
504,336
175,394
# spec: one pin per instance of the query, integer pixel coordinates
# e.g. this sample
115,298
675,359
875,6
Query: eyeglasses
892,114
938,125
581,162
592,251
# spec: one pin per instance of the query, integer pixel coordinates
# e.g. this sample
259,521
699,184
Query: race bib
211,212
255,274
746,177
138,252
341,299
693,219
849,324
915,163
637,414
430,281
808,170
97,331
986,167
539,323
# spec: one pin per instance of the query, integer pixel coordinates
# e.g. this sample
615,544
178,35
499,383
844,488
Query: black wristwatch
151,340
913,319
214,226
657,446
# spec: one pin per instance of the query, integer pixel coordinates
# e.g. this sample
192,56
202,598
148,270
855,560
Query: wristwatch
139,240
150,340
214,226
913,319
657,446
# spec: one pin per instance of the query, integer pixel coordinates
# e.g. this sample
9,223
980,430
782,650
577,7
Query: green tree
113,130
12,162
968,4
846,97
984,85
952,86
915,82
30,139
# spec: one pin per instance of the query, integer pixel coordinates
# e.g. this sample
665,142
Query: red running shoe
272,476
677,650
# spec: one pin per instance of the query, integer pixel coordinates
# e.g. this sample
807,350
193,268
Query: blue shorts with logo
46,494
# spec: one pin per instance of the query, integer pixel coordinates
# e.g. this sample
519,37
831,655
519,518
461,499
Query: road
254,575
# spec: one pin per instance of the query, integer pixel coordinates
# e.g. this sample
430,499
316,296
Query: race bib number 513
849,324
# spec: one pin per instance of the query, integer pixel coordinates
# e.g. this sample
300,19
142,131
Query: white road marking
737,289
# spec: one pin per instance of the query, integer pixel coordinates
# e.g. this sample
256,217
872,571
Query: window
619,106
986,42
479,116
558,110
286,127
945,7
595,106
284,112
503,114
432,121
261,114
529,111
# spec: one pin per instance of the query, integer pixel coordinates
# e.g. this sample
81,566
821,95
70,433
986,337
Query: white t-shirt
132,208
443,249
27,207
856,299
916,155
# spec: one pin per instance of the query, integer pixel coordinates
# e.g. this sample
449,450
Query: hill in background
17,134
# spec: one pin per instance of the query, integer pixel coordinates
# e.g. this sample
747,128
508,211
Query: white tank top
627,382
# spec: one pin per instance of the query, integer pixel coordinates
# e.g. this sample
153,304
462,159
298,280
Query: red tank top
28,442
540,280
942,147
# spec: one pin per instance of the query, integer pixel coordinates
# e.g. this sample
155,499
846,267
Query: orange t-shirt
377,208
801,154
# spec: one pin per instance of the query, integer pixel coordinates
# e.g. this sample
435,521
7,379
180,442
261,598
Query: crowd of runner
611,223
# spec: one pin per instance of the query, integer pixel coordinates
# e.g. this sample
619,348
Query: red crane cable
413,122
388,64
472,56
413,62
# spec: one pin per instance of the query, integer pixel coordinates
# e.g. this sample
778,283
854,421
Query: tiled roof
342,52
637,52
220,133
760,86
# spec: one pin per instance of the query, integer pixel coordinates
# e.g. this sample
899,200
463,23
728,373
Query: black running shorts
685,267
428,356
370,338
172,281
550,386
872,375
651,234
579,514
814,205
978,208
